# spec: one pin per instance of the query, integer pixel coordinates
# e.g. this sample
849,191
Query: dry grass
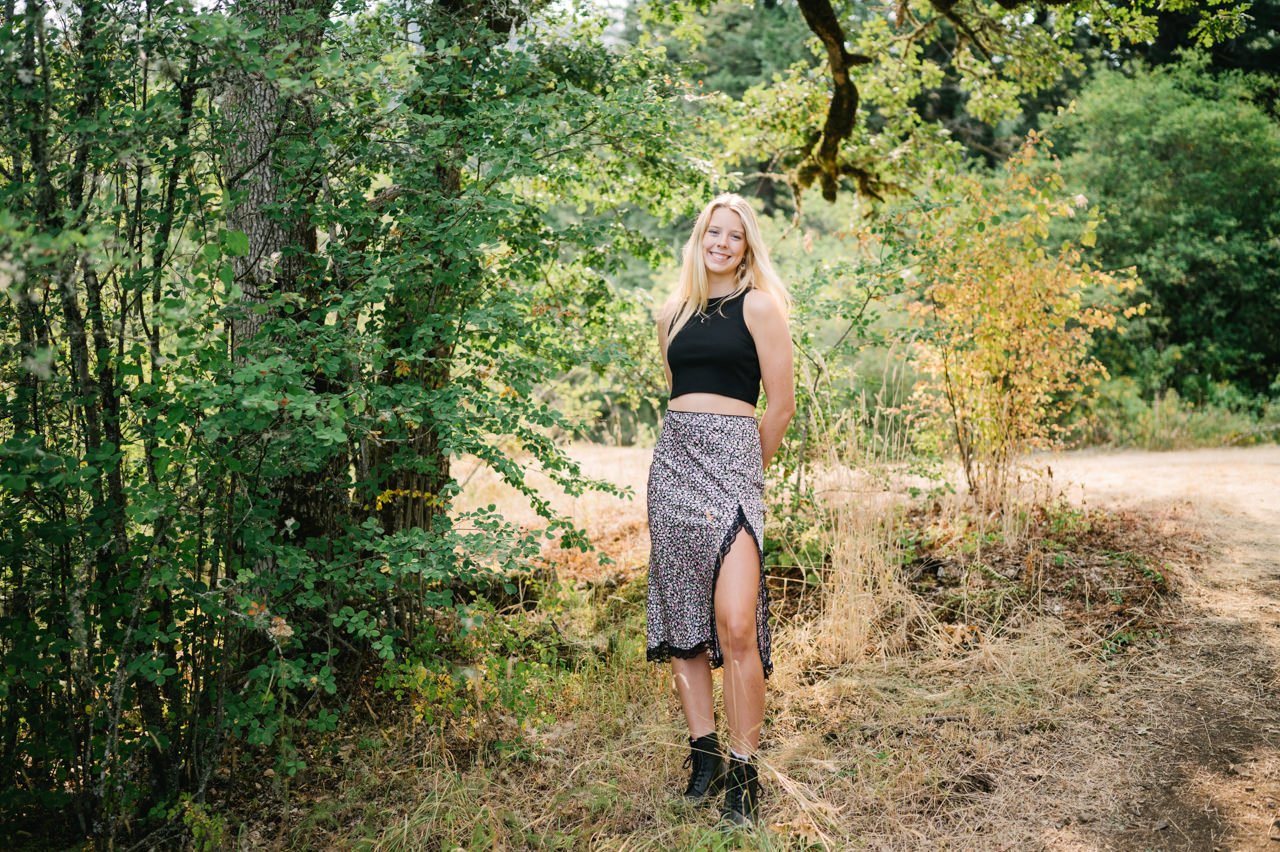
887,728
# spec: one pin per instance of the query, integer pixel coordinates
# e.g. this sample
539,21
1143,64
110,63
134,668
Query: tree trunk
282,238
257,116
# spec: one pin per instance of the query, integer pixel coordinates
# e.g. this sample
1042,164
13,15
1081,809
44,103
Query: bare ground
1188,738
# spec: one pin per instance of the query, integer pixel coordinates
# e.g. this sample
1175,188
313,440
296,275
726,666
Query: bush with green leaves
1119,414
269,271
1185,165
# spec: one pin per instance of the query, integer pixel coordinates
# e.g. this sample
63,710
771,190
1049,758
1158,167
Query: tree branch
823,164
947,9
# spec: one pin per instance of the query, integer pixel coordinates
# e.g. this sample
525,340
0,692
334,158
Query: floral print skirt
706,484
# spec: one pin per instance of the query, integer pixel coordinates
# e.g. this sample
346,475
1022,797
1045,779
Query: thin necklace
702,318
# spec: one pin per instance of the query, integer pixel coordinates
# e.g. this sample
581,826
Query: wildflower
279,628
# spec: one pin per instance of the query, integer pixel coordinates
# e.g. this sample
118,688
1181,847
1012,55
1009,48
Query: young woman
722,333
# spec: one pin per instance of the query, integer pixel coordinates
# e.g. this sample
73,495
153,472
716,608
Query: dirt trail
1197,723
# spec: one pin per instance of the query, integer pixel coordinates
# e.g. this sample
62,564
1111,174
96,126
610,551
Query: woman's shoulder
669,309
757,304
667,316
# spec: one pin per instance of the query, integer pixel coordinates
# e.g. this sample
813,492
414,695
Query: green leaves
235,243
1186,167
210,544
1005,324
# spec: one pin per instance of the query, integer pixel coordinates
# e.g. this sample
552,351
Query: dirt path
1196,725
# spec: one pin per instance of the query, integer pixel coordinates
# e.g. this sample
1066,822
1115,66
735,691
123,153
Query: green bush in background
1185,165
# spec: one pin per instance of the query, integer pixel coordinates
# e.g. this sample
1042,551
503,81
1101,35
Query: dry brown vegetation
948,680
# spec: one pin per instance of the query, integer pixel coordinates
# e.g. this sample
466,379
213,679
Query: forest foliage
1186,166
268,274
272,268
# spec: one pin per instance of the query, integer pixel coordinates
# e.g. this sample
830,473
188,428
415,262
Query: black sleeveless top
715,353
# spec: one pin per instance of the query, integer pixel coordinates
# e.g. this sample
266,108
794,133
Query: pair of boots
709,774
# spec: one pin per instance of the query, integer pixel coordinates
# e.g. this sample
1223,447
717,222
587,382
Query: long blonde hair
755,273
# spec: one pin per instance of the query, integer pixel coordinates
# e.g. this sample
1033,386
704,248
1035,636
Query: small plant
1004,321
473,668
1121,641
1066,520
208,829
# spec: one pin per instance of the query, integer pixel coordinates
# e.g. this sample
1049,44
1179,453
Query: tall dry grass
860,468
866,608
885,729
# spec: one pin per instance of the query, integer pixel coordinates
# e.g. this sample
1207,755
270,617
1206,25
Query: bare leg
735,600
693,684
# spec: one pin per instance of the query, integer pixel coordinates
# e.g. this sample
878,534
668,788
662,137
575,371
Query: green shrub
1185,165
1119,416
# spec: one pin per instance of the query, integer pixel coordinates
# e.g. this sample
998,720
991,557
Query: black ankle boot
706,776
741,794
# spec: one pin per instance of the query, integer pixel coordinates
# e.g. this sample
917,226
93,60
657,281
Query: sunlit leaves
981,58
1005,319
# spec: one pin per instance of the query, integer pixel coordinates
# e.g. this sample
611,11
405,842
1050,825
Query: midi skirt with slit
706,484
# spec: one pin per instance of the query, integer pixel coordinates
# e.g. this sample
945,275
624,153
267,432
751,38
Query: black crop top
715,353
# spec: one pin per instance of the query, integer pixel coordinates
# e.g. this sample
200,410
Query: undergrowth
926,654
1120,416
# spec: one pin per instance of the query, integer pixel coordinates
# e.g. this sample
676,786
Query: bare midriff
711,403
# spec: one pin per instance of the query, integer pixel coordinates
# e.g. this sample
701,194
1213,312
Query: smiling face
724,245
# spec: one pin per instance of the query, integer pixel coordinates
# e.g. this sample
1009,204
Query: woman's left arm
768,327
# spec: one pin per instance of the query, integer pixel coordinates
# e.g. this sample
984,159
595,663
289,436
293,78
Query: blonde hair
755,273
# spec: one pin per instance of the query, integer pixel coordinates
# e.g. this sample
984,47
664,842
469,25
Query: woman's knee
737,632
735,597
